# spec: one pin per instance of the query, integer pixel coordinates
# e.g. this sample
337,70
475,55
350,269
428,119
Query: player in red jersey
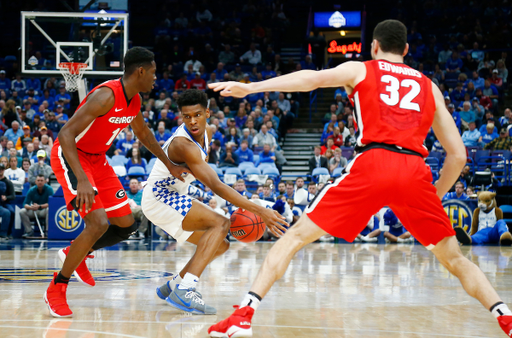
89,183
395,107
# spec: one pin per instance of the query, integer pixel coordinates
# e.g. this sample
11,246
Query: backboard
98,38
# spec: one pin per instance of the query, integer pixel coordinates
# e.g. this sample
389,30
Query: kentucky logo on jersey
459,213
67,221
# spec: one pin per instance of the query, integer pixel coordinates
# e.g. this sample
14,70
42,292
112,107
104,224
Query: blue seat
252,171
120,170
433,163
264,165
136,172
480,153
272,173
245,165
119,160
256,158
212,165
317,172
218,171
233,171
152,161
337,172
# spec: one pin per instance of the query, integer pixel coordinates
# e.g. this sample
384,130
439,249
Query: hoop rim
72,67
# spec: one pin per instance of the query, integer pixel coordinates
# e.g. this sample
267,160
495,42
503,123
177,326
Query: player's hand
177,171
275,222
231,88
84,196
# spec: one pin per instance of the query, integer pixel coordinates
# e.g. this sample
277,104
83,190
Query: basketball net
72,73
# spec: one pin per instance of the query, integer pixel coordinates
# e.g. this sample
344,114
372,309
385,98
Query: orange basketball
246,226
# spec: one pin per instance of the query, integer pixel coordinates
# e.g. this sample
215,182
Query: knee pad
114,235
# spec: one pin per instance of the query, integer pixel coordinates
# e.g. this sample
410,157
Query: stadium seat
480,153
337,172
136,172
119,160
152,161
264,165
251,171
218,171
272,173
433,163
233,171
317,172
245,165
256,158
502,153
212,165
120,170
109,160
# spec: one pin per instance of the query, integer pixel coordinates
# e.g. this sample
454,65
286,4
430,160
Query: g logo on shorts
121,194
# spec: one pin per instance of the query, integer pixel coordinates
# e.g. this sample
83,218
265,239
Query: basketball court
329,290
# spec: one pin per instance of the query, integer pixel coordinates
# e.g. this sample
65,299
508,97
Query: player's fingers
78,202
272,230
218,87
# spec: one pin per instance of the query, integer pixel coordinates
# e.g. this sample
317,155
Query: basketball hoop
72,73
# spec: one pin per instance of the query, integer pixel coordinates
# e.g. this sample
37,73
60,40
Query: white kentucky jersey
161,180
487,220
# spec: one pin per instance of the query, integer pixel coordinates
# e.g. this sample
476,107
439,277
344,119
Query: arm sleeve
28,198
9,194
31,175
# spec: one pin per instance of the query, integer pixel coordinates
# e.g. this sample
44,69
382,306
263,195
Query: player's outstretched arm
98,103
147,138
345,74
204,173
447,133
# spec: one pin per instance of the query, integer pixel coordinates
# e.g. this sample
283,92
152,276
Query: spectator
134,194
18,85
266,156
182,84
213,79
135,160
252,56
197,82
25,165
46,143
39,168
503,142
6,210
63,97
52,123
329,145
232,138
350,140
458,194
334,121
244,153
166,84
35,204
19,141
220,71
444,55
502,70
161,135
5,83
267,194
167,118
491,92
246,136
162,97
126,144
264,137
268,72
215,152
229,158
337,161
307,63
240,187
212,203
489,135
283,104
317,161
496,80
465,176
467,115
15,175
14,133
236,74
476,53
241,118
470,137
457,95
290,190
337,137
488,119
483,100
454,63
28,151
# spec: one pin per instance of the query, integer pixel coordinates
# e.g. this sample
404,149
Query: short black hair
191,97
392,36
137,57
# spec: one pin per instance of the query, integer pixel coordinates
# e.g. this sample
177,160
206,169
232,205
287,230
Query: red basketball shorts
110,194
378,178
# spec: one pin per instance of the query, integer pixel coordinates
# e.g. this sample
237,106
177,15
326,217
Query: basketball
246,226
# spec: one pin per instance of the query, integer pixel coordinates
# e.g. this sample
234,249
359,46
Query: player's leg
390,237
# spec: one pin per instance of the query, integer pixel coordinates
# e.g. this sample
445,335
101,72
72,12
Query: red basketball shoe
55,298
82,272
236,325
506,324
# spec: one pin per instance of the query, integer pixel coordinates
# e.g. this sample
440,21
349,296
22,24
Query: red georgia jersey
99,135
395,105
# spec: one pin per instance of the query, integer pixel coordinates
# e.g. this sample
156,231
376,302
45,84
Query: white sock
400,240
370,239
188,282
500,309
250,300
174,281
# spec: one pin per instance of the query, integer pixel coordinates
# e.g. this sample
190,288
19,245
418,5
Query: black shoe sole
462,236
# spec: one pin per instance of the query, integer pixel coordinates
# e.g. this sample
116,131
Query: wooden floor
329,290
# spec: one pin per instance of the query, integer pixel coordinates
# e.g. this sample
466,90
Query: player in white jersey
165,203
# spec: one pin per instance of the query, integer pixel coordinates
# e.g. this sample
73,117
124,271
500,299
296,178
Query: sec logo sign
67,221
459,213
